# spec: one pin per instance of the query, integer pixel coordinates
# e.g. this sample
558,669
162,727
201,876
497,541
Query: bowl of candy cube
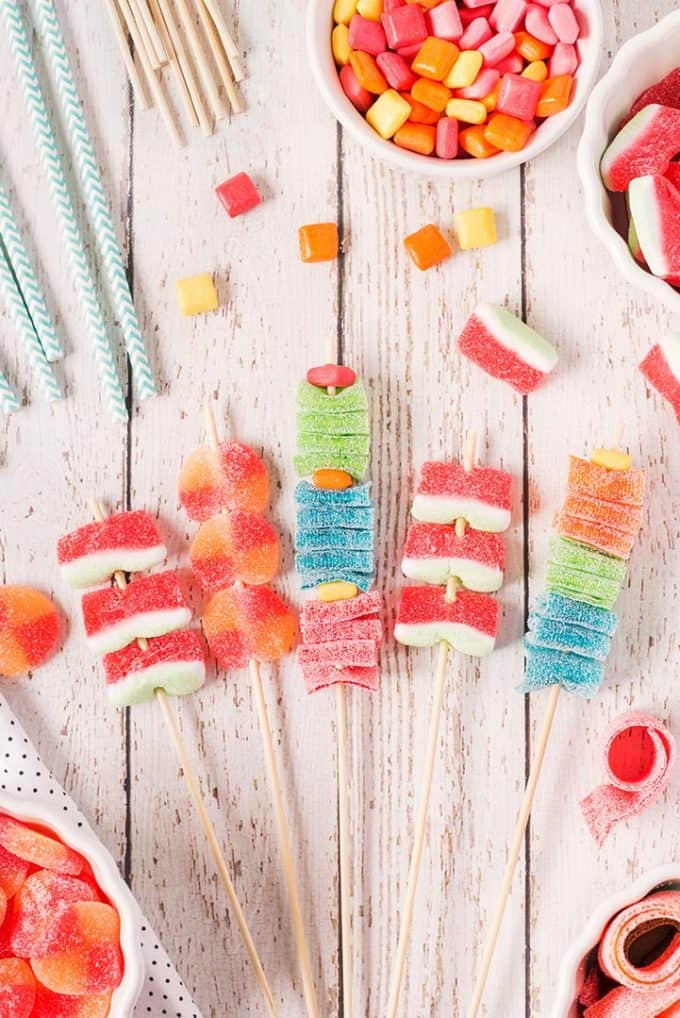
68,923
627,960
455,88
628,164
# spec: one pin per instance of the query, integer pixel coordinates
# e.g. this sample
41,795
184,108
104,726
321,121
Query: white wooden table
397,328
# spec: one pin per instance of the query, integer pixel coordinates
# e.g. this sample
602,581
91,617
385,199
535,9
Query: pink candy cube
238,195
564,23
404,26
475,35
497,48
483,85
548,3
367,36
446,145
564,60
537,24
355,92
396,70
511,65
444,21
518,96
468,14
507,15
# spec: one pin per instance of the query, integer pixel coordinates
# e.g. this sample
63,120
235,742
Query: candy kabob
147,654
571,626
225,486
341,630
456,549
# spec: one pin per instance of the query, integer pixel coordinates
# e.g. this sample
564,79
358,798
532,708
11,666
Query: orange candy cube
473,141
432,94
491,100
531,48
435,58
427,247
319,242
508,133
367,72
556,95
419,138
419,114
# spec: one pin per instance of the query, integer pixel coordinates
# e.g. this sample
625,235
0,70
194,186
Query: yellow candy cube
475,228
537,71
343,11
612,459
371,9
388,113
465,70
468,110
339,590
196,294
340,44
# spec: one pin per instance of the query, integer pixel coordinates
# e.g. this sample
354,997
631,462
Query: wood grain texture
397,327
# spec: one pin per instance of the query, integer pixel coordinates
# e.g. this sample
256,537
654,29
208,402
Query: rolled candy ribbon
639,760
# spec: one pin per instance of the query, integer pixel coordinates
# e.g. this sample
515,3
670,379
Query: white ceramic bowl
641,62
81,840
573,969
319,25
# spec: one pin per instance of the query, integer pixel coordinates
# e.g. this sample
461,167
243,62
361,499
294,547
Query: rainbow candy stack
571,626
334,543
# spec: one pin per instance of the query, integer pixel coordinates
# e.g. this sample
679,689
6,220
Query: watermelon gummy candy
31,629
128,541
232,476
42,898
665,93
425,617
83,951
447,492
624,486
242,623
661,368
503,346
655,212
38,849
17,989
234,546
434,553
149,606
175,663
644,146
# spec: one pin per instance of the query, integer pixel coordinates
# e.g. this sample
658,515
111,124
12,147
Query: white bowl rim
591,934
594,141
452,169
83,841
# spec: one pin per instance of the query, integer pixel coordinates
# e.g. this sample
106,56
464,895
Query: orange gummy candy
508,133
473,141
319,242
531,48
427,247
555,95
595,535
38,849
624,486
367,72
420,114
419,138
435,58
84,955
234,546
17,988
432,94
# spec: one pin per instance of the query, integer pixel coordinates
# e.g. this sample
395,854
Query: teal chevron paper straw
95,197
30,287
62,202
35,353
8,401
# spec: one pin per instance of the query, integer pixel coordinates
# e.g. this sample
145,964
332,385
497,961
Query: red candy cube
444,21
396,70
355,92
366,36
519,96
404,27
238,195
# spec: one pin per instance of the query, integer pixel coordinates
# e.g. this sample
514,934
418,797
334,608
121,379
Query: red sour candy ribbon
639,760
335,375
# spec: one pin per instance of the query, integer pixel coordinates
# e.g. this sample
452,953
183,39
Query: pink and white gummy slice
644,146
175,663
149,606
661,368
434,553
447,492
426,618
655,210
506,348
128,541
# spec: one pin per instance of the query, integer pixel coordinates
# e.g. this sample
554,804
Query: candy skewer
206,823
428,773
128,59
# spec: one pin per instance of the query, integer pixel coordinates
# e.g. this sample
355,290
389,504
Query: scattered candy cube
475,228
196,294
390,111
238,194
427,247
319,242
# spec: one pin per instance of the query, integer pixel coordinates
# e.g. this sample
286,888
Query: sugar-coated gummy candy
321,422
232,476
318,242
129,541
664,93
661,368
475,228
626,487
337,619
329,517
654,204
234,546
196,294
352,653
317,567
341,641
626,518
38,849
37,904
149,606
577,674
468,624
17,989
321,676
503,346
595,535
336,375
433,553
314,400
584,574
175,663
332,430
555,635
13,872
84,955
427,247
242,623
644,146
238,194
59,1005
31,629
447,492
577,613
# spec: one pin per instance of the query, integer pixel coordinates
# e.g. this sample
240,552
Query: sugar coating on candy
42,898
503,346
59,1005
664,93
311,399
242,623
425,617
626,518
149,606
645,145
348,516
128,541
564,636
234,546
319,676
446,492
333,447
317,613
175,663
624,486
17,988
661,368
84,951
341,640
656,912
354,653
329,539
354,422
307,494
433,553
38,849
232,476
595,535
341,564
654,204
584,574
31,629
13,872
577,674
565,609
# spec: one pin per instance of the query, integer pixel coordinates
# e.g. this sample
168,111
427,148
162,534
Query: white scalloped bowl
110,881
319,24
641,62
573,968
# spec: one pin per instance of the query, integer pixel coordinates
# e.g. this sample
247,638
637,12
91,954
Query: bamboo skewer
128,59
344,849
230,47
173,60
145,17
147,42
186,68
219,57
200,60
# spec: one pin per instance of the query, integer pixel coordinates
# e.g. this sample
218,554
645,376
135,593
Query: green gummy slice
307,463
354,422
312,399
586,560
594,590
334,445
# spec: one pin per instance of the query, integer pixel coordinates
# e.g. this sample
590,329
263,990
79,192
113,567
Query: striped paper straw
95,198
8,401
11,295
51,162
26,277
